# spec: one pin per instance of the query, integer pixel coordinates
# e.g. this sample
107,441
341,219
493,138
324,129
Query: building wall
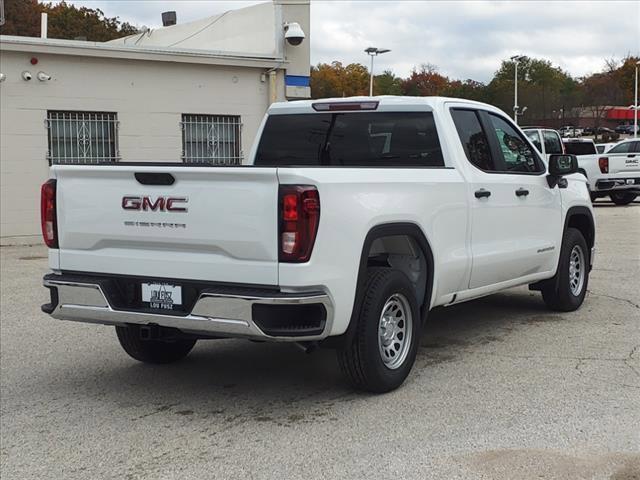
149,98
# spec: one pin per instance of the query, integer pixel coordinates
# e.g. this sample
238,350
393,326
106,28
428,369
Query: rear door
516,217
177,222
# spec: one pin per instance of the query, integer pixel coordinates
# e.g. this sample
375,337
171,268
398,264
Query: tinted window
534,136
517,154
375,139
622,148
473,138
580,148
552,142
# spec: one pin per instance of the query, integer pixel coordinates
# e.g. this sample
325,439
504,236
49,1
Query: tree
469,89
599,93
425,81
22,18
387,84
65,21
336,80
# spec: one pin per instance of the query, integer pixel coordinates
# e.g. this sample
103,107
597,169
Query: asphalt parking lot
502,389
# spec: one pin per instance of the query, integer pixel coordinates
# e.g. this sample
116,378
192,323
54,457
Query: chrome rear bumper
214,314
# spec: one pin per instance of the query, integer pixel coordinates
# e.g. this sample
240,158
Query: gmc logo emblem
160,204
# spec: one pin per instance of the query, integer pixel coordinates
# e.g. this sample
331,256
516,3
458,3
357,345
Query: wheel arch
414,232
581,218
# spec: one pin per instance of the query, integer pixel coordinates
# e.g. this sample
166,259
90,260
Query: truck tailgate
624,163
212,223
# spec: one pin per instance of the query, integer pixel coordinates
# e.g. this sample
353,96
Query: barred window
212,139
82,137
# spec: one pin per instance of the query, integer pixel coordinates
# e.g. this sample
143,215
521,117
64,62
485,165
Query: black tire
623,198
557,292
362,360
152,350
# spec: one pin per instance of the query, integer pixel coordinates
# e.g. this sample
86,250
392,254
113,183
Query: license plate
162,296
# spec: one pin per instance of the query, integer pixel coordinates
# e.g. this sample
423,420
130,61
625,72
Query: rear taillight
603,163
299,219
48,213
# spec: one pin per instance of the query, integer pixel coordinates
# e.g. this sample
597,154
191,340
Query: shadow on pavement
261,375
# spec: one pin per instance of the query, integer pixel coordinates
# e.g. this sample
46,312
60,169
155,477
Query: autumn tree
336,80
22,18
425,81
65,21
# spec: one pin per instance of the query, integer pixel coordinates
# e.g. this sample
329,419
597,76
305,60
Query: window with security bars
82,137
211,139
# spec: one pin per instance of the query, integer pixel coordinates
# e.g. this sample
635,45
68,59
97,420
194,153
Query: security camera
3,77
26,76
43,77
293,33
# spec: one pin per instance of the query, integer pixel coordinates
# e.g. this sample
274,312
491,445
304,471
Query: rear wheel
623,198
152,350
387,333
566,291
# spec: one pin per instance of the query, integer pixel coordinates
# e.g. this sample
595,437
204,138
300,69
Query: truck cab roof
379,103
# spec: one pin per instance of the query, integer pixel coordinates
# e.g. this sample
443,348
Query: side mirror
560,165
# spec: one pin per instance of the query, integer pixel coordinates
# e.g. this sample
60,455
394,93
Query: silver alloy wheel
577,270
395,329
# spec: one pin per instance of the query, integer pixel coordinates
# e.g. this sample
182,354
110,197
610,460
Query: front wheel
623,198
387,333
566,291
152,350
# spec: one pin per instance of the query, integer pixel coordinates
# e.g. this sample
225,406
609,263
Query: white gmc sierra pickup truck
615,174
355,218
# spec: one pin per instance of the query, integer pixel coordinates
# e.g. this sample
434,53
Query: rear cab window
580,148
350,139
625,147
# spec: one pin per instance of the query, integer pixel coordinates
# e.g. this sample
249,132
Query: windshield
375,139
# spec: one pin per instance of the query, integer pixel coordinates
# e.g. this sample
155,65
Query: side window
473,138
552,142
622,148
517,154
637,147
534,136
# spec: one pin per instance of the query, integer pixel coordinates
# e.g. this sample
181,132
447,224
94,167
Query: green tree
65,21
387,84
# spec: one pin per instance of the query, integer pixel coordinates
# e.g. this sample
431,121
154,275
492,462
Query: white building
193,92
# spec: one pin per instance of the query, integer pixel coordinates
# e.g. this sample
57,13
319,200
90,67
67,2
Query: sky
464,39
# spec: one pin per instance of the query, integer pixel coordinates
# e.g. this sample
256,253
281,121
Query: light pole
374,52
516,59
636,106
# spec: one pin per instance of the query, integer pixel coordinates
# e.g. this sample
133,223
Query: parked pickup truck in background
546,140
355,219
615,174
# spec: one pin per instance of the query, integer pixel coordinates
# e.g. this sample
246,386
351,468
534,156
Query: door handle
482,193
631,156
522,192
